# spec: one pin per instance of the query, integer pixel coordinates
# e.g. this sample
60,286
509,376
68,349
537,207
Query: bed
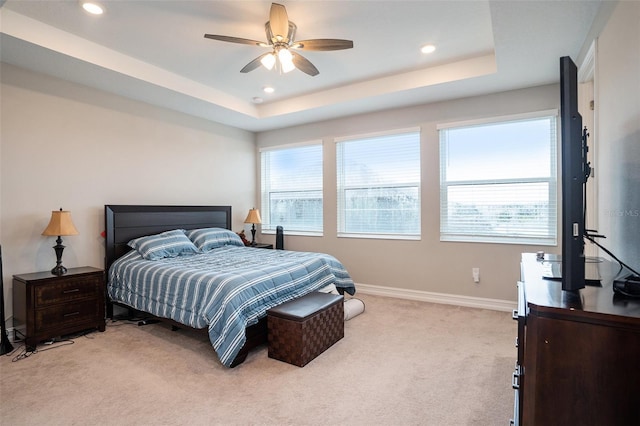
186,266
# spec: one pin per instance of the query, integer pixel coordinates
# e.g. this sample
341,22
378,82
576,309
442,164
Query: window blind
291,189
498,181
378,178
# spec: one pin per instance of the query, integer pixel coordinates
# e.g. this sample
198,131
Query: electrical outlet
475,272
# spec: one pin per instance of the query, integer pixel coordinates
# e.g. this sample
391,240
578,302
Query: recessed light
428,48
92,7
257,100
268,89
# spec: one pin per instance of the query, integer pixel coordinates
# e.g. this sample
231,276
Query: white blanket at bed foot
352,308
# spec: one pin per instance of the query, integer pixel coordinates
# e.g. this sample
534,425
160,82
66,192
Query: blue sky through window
500,151
288,166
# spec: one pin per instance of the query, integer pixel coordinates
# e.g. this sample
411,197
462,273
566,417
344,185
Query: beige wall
427,265
617,91
65,145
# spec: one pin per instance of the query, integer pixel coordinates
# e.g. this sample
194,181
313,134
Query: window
498,180
379,185
292,189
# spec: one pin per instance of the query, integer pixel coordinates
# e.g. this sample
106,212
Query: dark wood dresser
46,305
578,359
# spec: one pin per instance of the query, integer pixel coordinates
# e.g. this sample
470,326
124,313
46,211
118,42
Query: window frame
340,186
452,235
267,227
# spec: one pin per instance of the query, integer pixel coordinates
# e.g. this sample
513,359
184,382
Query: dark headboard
125,222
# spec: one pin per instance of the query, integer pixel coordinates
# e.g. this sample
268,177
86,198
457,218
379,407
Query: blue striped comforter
225,290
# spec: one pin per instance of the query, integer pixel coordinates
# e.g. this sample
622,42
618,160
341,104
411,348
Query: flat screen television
575,172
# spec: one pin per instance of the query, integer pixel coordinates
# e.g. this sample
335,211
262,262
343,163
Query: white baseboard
448,299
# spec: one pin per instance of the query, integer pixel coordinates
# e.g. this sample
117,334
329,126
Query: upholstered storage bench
303,328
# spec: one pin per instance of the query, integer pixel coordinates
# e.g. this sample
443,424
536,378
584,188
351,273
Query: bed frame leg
256,335
240,358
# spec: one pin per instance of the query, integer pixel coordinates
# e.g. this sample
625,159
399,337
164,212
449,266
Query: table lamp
60,225
253,218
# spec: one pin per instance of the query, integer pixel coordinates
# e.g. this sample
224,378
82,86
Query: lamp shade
60,224
286,60
268,61
253,217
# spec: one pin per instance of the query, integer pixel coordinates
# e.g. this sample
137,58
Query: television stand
578,360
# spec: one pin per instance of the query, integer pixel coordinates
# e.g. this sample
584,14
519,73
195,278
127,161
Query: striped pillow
167,244
207,239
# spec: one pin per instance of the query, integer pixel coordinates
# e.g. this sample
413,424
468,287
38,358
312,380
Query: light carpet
401,362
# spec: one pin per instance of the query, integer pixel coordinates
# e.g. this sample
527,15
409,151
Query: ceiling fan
280,37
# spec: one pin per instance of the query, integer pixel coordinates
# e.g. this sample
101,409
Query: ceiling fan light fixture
280,33
268,61
285,56
286,60
287,66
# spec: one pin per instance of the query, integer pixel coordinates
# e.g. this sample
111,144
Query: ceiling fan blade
323,44
254,64
279,21
304,65
235,40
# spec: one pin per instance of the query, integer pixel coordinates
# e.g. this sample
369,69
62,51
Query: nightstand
46,305
263,246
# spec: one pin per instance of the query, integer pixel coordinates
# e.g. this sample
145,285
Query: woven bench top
306,306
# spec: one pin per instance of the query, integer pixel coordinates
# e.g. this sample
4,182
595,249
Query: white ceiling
154,51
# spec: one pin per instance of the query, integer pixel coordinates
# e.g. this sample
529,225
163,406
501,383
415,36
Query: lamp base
253,235
59,270
59,248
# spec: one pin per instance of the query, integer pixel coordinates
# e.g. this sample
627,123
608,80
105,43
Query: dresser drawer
71,289
67,315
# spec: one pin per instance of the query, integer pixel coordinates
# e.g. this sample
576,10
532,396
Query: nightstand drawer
47,305
66,315
66,291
